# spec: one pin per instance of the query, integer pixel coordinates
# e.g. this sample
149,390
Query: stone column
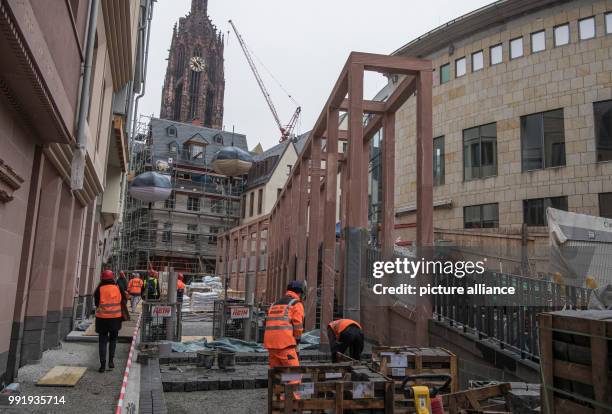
58,274
42,266
72,268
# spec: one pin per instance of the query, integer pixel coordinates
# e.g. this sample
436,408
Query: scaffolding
180,232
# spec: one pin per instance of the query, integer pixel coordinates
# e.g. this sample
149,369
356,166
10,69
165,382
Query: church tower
195,80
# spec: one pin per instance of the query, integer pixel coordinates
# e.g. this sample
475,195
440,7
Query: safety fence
508,320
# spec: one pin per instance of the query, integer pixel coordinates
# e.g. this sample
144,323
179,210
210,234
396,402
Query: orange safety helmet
107,274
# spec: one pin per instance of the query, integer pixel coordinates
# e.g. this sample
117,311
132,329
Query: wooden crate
576,361
483,400
334,387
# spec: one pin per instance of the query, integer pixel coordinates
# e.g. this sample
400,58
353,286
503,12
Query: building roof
162,135
265,164
478,20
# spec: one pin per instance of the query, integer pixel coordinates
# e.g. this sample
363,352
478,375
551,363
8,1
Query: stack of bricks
151,390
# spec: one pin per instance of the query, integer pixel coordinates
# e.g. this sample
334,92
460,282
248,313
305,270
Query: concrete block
225,384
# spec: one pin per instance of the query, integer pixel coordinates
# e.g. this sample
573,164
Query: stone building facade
522,120
52,232
195,81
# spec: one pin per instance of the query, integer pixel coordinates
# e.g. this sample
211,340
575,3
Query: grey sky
303,43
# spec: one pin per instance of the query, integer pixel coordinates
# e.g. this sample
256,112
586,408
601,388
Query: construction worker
151,285
180,288
284,327
122,281
135,290
108,297
345,334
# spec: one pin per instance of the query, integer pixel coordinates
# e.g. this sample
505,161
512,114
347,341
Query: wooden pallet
484,400
399,361
576,361
333,387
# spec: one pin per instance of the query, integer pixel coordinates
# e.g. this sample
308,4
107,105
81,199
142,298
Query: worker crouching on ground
345,334
285,326
135,290
108,298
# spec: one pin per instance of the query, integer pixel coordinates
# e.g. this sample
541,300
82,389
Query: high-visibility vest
180,285
110,302
135,286
280,332
340,325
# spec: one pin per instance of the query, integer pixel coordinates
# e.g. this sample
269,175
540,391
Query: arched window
171,131
218,139
178,95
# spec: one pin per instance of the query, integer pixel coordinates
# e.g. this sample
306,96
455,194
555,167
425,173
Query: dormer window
218,139
171,131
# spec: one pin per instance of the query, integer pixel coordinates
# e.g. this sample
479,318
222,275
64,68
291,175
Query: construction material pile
201,296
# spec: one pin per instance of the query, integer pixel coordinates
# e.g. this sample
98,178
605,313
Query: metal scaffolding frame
181,232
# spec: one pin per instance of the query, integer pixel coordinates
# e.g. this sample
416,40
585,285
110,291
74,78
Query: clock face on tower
197,64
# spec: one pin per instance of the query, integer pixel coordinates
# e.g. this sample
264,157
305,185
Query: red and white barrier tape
128,365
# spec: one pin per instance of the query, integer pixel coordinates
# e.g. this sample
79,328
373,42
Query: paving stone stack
151,390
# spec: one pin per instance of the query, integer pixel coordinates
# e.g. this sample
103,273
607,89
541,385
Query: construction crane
285,130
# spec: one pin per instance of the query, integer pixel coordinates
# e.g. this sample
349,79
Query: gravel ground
94,393
218,402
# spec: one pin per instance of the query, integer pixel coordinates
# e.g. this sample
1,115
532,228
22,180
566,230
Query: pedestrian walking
108,298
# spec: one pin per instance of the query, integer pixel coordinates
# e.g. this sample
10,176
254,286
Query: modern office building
522,120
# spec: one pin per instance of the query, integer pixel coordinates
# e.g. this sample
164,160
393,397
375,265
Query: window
217,206
538,41
480,152
608,19
562,34
534,210
605,205
516,48
170,201
167,234
542,140
460,67
477,61
192,233
251,203
259,200
171,131
482,216
444,73
602,112
586,28
212,238
218,139
496,54
243,206
438,161
193,204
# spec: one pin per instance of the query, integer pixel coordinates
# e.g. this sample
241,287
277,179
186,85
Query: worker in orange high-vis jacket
285,326
345,334
135,290
107,298
180,287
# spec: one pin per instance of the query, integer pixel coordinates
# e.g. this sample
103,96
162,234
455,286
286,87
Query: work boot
111,364
101,369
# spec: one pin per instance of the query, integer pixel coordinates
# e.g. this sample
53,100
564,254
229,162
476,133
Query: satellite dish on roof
232,161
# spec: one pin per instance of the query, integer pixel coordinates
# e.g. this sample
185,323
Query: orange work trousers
283,358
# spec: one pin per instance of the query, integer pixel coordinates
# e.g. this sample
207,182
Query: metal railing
512,322
509,321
